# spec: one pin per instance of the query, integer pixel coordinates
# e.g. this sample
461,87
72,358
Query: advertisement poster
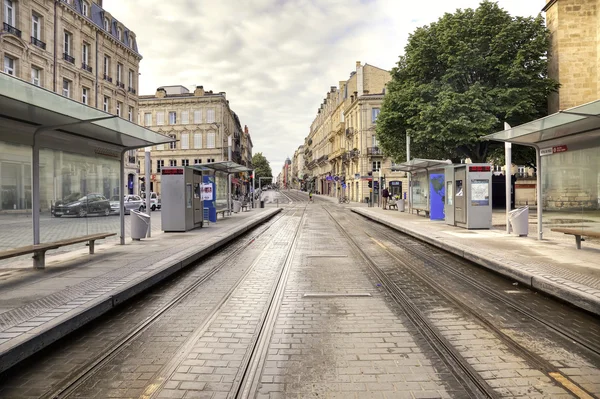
207,192
480,192
437,196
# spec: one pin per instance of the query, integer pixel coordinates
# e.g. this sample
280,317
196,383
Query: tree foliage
461,78
262,168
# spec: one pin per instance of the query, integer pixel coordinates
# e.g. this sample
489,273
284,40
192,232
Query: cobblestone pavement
337,332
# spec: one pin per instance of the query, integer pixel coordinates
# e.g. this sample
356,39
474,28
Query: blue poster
212,210
437,196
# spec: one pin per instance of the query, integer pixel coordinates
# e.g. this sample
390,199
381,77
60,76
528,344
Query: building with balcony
297,169
77,49
341,150
202,123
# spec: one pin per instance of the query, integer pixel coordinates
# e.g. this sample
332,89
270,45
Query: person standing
385,194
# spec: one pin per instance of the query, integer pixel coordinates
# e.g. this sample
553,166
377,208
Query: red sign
559,148
172,171
480,168
153,176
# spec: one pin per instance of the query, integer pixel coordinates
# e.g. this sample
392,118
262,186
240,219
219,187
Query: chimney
161,93
365,91
357,65
199,92
222,93
356,94
333,89
352,98
246,129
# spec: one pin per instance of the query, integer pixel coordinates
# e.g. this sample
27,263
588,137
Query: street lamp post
147,164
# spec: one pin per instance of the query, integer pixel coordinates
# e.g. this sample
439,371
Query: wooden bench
393,205
245,206
39,250
578,233
421,210
222,211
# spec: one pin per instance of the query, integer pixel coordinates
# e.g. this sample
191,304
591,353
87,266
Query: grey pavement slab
555,268
70,292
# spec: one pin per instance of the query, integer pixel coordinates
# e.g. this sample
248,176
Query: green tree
461,78
262,168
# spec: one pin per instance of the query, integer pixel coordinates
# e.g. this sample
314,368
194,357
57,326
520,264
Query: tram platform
38,307
554,267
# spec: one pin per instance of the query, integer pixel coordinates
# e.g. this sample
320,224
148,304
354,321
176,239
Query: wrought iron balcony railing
374,151
11,29
121,85
69,58
131,90
107,78
86,67
39,43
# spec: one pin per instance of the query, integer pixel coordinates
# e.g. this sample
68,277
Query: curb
548,285
39,338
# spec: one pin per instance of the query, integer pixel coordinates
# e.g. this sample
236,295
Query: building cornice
548,5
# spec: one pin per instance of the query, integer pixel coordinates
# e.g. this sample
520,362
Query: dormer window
85,9
119,34
106,25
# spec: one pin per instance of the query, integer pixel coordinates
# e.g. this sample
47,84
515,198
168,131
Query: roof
225,167
417,165
574,125
24,108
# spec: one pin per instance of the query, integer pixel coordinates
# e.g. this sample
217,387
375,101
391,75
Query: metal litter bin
237,206
262,203
519,220
400,205
140,222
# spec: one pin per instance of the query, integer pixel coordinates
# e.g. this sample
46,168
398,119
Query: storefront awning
577,124
416,165
24,108
225,167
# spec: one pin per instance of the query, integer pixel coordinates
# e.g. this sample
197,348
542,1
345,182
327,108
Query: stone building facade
341,150
77,49
201,122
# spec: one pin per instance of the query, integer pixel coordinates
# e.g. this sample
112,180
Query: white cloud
276,59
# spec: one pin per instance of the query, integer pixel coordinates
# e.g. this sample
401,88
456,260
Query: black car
81,207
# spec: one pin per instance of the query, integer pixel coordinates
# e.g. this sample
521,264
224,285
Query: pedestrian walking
385,195
310,196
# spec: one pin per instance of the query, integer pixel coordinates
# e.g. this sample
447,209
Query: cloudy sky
276,59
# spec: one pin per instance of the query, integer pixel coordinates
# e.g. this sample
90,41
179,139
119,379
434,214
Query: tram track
76,379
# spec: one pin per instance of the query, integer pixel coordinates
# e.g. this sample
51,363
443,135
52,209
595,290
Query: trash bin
519,220
139,225
237,206
400,204
262,203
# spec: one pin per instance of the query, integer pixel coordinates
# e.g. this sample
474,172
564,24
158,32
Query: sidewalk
553,267
38,307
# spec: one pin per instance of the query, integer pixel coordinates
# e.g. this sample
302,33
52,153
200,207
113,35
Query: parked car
131,202
81,207
154,201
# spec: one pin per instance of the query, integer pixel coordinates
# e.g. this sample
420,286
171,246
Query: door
460,195
198,205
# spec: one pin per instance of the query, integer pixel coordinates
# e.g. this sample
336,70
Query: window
9,65
173,144
35,27
85,8
35,76
106,25
210,115
130,114
9,12
374,114
106,104
119,34
130,78
376,166
67,43
521,170
159,164
185,162
160,118
197,140
197,116
106,67
172,117
210,140
119,73
67,88
119,107
197,161
185,117
374,141
85,54
85,95
173,162
185,141
147,118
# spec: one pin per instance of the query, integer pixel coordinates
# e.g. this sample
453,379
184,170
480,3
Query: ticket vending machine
181,207
468,201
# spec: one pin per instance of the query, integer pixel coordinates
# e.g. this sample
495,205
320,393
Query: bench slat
29,249
578,232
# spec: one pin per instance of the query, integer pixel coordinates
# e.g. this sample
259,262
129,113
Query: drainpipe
55,46
97,86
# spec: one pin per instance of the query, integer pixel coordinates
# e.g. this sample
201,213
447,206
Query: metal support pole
409,175
229,176
35,172
122,198
539,193
253,189
148,192
507,173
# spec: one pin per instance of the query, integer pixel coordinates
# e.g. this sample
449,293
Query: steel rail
70,384
476,386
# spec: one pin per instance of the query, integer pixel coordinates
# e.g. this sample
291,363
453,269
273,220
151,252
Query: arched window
106,25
